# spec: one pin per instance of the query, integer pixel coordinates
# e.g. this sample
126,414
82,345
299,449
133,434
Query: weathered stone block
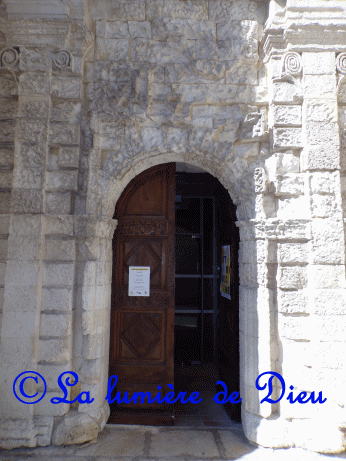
293,302
282,163
176,139
327,276
8,85
287,115
329,302
284,138
116,49
75,428
57,204
93,347
58,225
32,156
58,274
66,87
68,157
26,201
31,83
140,29
5,179
324,206
190,29
321,111
55,325
37,107
116,29
294,327
292,278
221,10
319,86
320,158
62,133
60,250
242,74
198,72
34,59
322,134
61,180
293,253
24,247
8,108
65,110
125,11
293,207
153,139
7,131
253,275
287,93
328,246
54,350
32,131
330,327
289,184
177,10
323,183
57,299
27,178
26,225
175,50
318,63
51,374
6,157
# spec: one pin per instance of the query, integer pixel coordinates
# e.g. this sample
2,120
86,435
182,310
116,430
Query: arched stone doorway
154,335
247,189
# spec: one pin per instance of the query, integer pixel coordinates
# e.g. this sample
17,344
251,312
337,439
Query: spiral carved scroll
9,58
341,63
291,63
63,60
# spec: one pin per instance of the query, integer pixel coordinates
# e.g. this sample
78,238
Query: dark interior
206,324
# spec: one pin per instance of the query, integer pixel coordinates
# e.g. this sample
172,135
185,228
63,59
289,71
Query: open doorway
206,323
174,225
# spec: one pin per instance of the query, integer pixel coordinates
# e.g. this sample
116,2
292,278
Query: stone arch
116,184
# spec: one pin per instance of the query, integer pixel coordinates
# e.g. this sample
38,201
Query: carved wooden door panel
142,328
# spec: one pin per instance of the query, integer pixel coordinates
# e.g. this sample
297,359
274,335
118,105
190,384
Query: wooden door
142,328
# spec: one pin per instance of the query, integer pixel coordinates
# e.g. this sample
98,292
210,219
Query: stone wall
95,92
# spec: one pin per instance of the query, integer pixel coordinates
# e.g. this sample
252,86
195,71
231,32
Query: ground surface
146,443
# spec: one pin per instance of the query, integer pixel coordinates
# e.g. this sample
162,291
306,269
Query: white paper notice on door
139,280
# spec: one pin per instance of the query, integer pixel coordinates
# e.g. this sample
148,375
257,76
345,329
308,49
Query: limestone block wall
94,92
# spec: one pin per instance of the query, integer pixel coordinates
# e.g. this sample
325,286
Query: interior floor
207,413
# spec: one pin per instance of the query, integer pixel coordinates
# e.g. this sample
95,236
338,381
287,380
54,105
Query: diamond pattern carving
141,336
151,259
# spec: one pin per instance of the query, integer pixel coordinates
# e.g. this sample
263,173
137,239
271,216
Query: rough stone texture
92,94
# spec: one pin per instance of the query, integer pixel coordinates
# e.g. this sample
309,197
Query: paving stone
184,443
120,443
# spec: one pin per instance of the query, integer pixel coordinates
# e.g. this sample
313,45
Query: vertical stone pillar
258,336
20,327
93,238
326,272
9,70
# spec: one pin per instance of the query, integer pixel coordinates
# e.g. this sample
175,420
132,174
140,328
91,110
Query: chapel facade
95,92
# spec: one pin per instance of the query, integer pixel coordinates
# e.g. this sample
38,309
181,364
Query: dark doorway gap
206,345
